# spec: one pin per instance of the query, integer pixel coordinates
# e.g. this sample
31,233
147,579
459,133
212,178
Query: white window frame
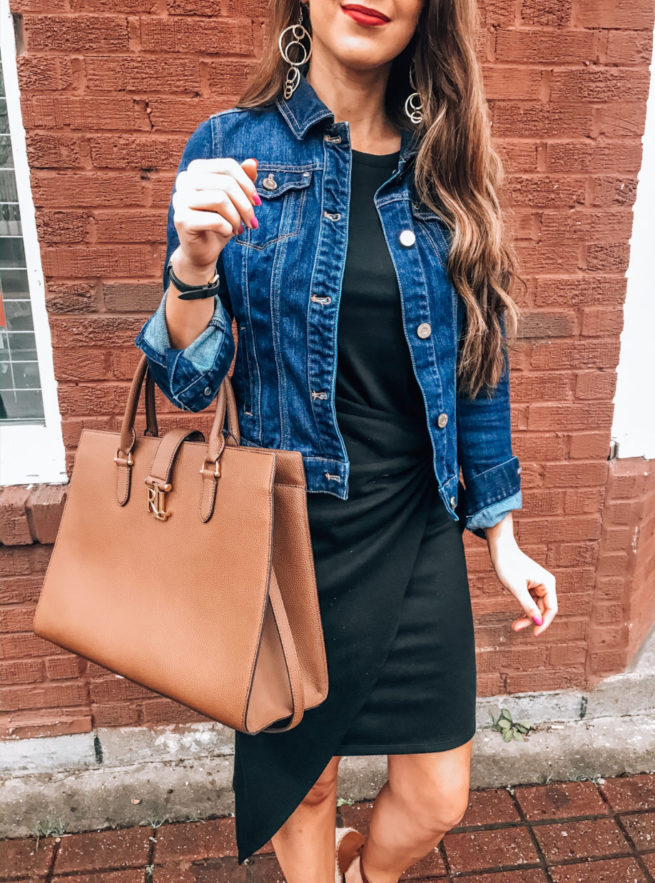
633,426
29,453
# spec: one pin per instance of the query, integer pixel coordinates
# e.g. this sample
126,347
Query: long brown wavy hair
457,172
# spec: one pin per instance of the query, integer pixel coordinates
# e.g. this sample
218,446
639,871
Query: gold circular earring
413,107
298,32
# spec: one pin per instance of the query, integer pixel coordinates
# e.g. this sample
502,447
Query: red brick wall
624,598
111,91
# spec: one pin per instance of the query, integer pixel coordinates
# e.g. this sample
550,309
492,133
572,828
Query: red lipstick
363,15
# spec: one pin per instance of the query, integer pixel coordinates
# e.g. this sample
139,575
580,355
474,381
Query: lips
364,14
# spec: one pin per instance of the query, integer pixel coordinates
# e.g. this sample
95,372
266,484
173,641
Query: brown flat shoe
349,843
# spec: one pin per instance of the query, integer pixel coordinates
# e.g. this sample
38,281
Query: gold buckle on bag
156,498
217,469
126,462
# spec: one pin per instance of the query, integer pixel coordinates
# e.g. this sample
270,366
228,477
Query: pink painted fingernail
257,198
254,223
240,230
538,620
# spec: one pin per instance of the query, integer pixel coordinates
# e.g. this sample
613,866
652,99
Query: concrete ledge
179,772
198,786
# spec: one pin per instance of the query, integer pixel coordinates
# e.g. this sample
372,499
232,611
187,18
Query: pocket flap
272,182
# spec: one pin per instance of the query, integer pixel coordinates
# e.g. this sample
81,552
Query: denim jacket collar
304,109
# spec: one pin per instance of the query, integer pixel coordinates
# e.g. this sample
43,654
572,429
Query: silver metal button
269,182
424,329
207,390
407,237
453,502
442,419
333,216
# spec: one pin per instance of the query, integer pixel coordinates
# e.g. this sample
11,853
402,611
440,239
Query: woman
355,180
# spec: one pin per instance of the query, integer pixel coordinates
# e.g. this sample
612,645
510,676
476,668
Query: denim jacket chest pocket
283,192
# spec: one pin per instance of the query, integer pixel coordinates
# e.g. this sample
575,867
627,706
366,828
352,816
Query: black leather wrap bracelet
193,292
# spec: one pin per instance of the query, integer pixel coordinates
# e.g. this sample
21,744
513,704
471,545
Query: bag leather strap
211,468
290,656
151,412
162,466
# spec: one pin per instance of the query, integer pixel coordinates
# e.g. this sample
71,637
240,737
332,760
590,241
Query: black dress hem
407,747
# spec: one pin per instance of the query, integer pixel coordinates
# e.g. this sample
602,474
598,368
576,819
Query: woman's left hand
531,584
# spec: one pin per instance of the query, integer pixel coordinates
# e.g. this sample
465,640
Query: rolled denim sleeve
190,377
491,471
491,515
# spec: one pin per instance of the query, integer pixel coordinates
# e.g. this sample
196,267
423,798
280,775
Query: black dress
390,566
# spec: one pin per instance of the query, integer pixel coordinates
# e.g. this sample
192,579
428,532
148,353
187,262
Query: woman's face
363,42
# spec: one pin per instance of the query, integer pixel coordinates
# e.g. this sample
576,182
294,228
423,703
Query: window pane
6,158
19,375
13,284
20,383
9,220
12,253
8,192
21,406
19,315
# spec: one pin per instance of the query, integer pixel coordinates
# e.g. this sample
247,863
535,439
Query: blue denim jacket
281,283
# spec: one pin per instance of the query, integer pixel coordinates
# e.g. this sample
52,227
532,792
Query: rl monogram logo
157,500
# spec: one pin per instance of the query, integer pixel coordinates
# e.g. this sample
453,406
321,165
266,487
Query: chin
360,58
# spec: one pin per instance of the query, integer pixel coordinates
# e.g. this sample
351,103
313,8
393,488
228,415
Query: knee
450,815
440,810
434,806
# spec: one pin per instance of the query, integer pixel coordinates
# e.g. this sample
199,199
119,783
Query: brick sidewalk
569,832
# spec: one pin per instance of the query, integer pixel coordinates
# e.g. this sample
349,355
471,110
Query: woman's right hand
212,200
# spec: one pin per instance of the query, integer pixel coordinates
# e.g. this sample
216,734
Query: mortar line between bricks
151,855
537,823
589,859
74,875
636,852
543,864
615,814
442,850
51,870
497,869
575,860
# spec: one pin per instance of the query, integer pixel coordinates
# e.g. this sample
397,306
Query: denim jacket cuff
179,372
493,484
200,351
491,515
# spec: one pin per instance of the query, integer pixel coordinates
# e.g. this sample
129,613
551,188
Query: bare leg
425,796
304,844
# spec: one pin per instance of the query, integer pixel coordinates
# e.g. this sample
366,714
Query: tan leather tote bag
187,567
